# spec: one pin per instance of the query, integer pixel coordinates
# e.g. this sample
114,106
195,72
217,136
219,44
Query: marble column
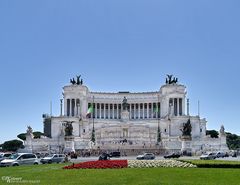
147,110
109,111
75,107
117,112
152,110
177,106
139,111
65,106
143,110
104,111
134,110
130,111
70,108
100,111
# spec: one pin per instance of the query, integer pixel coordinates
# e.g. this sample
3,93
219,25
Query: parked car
146,156
54,158
104,156
173,155
20,159
114,154
220,154
209,155
5,156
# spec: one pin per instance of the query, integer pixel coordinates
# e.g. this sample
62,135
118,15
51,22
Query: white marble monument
125,120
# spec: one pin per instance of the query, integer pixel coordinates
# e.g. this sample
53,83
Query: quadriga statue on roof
124,103
170,80
78,82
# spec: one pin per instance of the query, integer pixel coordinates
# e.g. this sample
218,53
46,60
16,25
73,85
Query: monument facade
125,120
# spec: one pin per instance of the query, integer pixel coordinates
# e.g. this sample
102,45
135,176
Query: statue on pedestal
68,128
29,130
187,128
125,104
222,130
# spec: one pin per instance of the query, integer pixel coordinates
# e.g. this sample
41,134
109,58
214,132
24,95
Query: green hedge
214,163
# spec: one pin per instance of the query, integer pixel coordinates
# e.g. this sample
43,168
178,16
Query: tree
12,145
37,134
22,136
233,141
212,133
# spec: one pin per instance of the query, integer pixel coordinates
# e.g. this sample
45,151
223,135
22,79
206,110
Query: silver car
146,156
20,159
54,158
4,156
208,156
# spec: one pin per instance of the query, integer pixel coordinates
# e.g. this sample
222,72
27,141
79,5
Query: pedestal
125,116
223,143
28,143
69,144
186,145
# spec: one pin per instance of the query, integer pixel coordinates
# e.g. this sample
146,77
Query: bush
218,165
214,163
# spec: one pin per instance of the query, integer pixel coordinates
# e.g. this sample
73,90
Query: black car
173,155
104,156
114,154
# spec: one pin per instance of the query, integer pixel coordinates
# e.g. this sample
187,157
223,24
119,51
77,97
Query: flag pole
158,117
93,113
198,108
93,129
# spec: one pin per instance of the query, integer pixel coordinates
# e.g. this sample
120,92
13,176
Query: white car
20,159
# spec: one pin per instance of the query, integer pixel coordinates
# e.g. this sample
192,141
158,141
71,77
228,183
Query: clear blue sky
118,45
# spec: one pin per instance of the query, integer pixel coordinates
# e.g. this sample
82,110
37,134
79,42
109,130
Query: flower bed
99,164
159,164
131,164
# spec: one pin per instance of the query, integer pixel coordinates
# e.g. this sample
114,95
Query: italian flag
90,111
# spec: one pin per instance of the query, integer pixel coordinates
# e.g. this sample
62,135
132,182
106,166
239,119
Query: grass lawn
54,174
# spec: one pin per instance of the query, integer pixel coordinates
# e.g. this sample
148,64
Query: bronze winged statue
187,128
